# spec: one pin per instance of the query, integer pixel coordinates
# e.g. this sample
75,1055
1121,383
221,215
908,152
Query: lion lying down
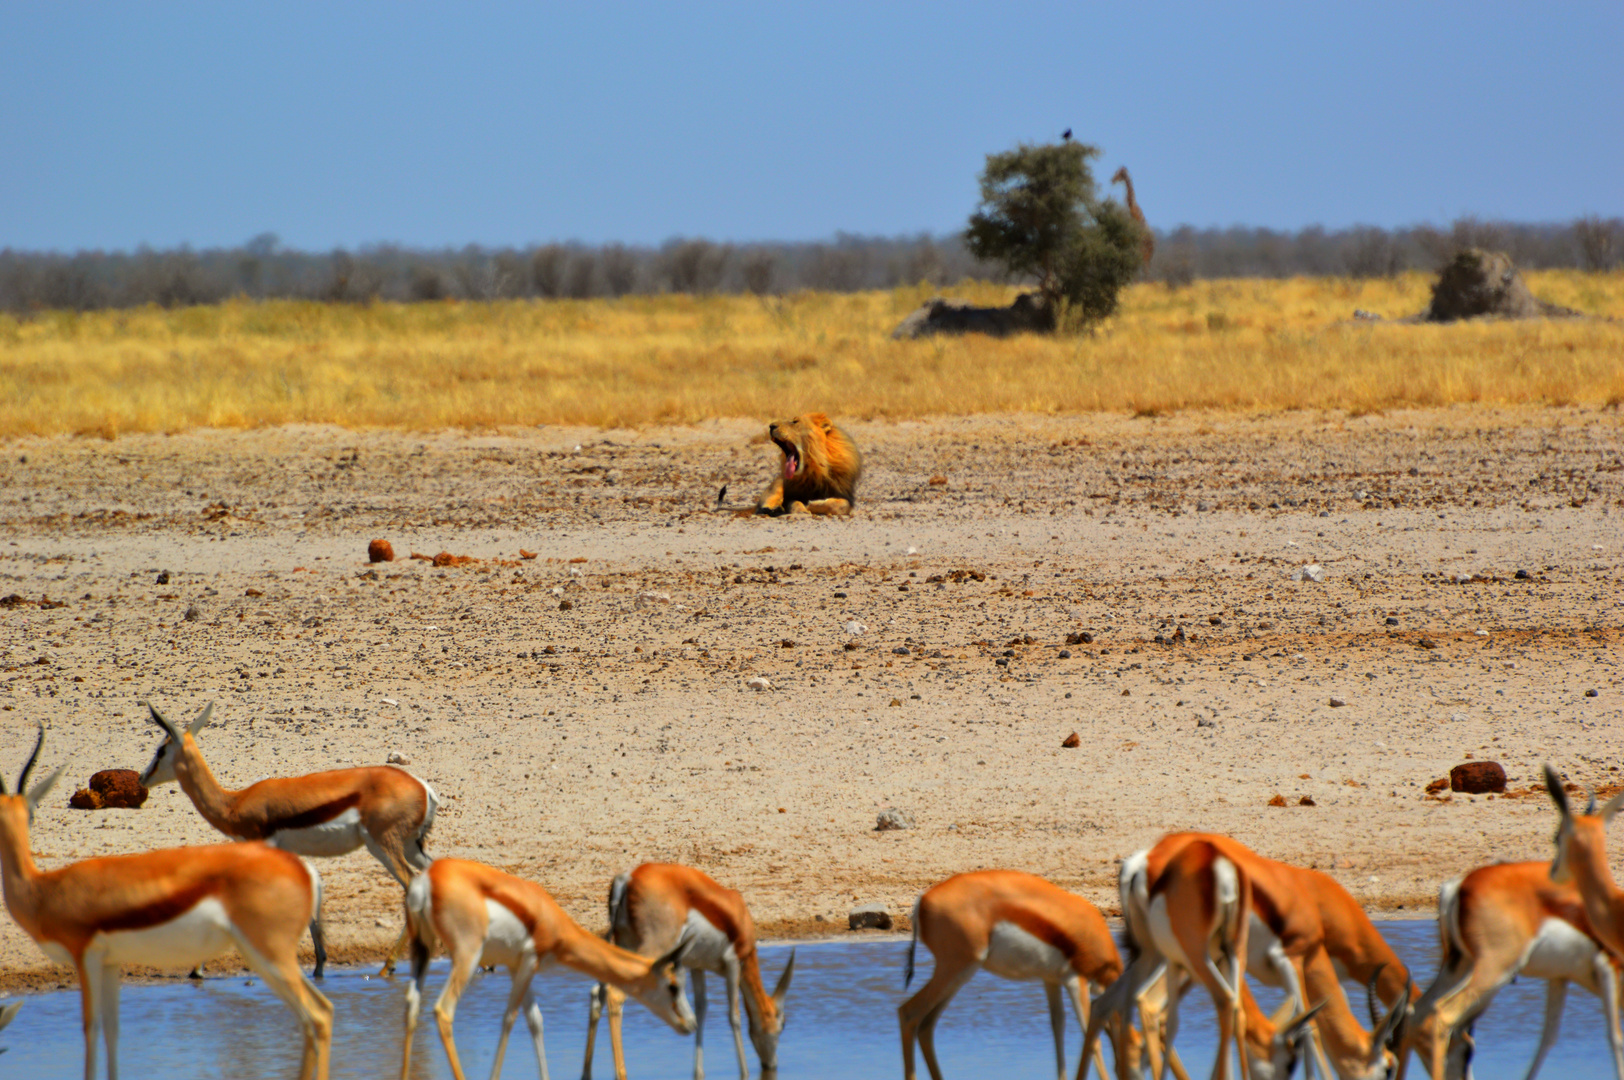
820,471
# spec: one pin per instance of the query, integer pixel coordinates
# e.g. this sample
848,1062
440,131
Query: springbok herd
1198,908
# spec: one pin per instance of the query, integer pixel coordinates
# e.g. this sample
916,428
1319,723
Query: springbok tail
617,902
913,943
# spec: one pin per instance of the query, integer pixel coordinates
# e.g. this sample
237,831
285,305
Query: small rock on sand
758,684
1477,777
380,551
1337,703
892,818
1072,741
869,917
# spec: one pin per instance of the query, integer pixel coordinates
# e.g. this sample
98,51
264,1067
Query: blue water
842,1023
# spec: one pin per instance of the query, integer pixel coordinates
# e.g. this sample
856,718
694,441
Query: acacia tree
1041,217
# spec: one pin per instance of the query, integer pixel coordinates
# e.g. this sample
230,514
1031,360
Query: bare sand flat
588,709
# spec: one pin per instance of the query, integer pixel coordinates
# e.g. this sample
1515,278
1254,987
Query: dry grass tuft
1238,344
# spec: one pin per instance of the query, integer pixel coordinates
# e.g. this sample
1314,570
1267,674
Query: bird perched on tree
1065,136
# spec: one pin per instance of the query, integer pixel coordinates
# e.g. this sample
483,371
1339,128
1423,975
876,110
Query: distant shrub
1600,242
582,281
694,266
757,271
427,284
619,270
547,267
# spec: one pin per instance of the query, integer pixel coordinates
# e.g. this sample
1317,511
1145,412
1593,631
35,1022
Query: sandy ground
587,709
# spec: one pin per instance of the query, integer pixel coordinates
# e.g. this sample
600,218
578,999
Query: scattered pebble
380,551
1592,692
397,758
651,598
1337,703
1072,741
855,628
758,684
1311,572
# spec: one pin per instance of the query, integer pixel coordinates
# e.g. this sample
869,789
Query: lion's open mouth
792,457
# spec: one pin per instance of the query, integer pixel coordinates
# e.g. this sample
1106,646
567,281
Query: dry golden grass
1240,344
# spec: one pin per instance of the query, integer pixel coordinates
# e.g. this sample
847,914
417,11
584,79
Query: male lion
821,468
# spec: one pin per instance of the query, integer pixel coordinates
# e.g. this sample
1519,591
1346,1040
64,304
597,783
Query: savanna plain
1278,569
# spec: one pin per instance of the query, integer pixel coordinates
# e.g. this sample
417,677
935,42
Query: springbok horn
1370,994
22,778
1553,784
1390,1032
163,721
783,981
1590,807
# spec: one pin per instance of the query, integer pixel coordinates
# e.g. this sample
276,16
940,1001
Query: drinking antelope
657,905
1017,926
483,916
1499,922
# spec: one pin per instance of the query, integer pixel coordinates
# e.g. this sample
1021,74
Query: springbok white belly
1014,953
184,941
506,939
1264,956
1559,951
340,836
709,948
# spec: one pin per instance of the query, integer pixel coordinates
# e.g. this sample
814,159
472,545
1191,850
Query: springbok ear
783,981
1553,785
675,957
1298,1026
43,788
1614,805
8,1013
202,721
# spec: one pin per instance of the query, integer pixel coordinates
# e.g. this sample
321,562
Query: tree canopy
1041,217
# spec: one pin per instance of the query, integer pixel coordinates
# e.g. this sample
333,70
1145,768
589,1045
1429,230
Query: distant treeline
264,269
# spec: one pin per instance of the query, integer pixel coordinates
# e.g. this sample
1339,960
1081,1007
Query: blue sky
447,124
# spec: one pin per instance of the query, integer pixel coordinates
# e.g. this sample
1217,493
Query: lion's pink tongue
789,468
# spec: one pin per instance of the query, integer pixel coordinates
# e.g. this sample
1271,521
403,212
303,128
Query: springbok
323,814
1303,933
483,916
163,908
1017,926
651,910
1499,922
1581,857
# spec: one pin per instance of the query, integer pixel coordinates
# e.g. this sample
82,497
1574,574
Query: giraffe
1147,242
